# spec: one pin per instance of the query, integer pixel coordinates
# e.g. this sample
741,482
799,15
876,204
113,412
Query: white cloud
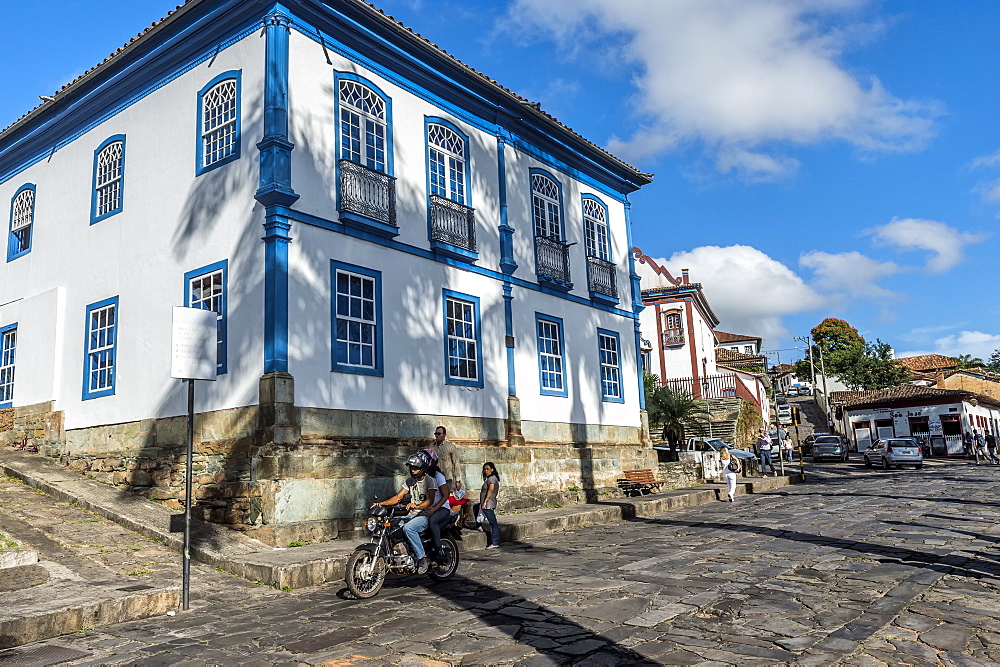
977,343
986,161
944,243
851,272
748,290
739,76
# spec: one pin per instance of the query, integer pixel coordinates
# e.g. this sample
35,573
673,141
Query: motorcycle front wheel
449,567
365,574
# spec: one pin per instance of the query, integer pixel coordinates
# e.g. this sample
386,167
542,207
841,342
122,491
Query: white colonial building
391,240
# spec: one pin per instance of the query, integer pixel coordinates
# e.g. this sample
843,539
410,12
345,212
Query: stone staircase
724,413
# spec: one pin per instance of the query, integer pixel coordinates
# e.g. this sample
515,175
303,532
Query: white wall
171,222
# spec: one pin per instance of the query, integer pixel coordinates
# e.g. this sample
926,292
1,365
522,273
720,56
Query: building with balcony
391,240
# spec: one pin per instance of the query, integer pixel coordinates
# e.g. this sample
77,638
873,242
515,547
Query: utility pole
704,394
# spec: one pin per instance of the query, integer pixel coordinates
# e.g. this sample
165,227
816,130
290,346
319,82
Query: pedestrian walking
968,443
485,509
991,447
980,447
763,447
730,470
786,447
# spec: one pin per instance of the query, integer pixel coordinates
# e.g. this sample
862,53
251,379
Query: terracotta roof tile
724,337
904,392
928,362
729,356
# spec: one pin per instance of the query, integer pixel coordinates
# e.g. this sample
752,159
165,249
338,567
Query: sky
812,158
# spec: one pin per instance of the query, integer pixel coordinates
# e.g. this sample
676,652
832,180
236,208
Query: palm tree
967,361
672,409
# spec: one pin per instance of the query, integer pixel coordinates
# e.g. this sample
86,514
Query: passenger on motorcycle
428,492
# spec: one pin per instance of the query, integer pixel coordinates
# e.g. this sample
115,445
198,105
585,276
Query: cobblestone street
856,567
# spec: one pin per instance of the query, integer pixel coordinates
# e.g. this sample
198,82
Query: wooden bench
639,482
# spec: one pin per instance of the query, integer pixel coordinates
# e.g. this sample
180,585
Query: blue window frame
546,205
22,221
463,359
107,195
551,355
208,288
100,367
609,350
364,113
219,122
447,161
595,228
8,345
357,319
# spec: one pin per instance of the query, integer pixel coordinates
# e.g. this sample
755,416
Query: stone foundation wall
283,473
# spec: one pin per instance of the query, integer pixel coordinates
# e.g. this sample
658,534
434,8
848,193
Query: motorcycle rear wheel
365,574
447,570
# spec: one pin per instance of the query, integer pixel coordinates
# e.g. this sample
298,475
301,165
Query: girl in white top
729,474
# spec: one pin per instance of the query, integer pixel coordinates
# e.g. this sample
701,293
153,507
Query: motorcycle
388,551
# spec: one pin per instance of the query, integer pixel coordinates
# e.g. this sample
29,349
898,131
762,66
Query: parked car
704,444
784,414
808,441
792,391
780,400
805,391
829,447
895,452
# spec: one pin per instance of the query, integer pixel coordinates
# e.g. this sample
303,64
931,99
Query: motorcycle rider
428,492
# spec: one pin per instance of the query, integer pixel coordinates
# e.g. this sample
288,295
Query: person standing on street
447,456
991,447
970,445
980,445
730,470
764,452
786,447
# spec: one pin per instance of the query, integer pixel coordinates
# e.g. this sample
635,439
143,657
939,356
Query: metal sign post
193,356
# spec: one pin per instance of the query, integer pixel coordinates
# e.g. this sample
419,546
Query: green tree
650,383
836,342
870,367
670,408
968,361
993,364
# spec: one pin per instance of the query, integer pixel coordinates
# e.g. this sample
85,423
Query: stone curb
317,564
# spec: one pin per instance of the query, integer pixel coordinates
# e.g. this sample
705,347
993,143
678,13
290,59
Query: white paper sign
193,346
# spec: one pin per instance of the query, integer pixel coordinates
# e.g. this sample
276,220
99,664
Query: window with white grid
207,291
550,356
595,225
362,125
8,345
611,372
102,341
446,162
108,178
22,220
462,340
219,122
545,207
356,321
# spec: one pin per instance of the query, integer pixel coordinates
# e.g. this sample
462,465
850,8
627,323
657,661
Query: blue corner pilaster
276,240
508,320
275,148
636,304
507,264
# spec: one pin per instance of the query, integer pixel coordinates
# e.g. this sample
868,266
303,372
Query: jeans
491,516
765,461
412,529
439,519
788,455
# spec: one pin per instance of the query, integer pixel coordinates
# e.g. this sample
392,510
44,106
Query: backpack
734,464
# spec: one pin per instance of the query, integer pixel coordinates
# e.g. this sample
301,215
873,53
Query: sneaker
492,546
422,565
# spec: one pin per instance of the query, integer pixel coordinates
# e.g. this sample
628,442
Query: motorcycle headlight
372,523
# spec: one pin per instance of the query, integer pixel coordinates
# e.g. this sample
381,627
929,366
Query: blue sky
813,158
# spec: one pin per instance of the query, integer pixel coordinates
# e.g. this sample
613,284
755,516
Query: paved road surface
856,567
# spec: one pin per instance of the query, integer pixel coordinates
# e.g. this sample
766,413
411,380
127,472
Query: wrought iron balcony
671,338
367,193
453,223
601,277
552,259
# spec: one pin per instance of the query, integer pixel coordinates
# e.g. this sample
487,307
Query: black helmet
419,461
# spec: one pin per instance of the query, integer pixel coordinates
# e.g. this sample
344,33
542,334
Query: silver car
895,452
829,447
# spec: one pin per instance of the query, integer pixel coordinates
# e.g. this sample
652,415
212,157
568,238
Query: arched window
446,162
219,114
362,125
109,168
546,208
595,222
22,222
